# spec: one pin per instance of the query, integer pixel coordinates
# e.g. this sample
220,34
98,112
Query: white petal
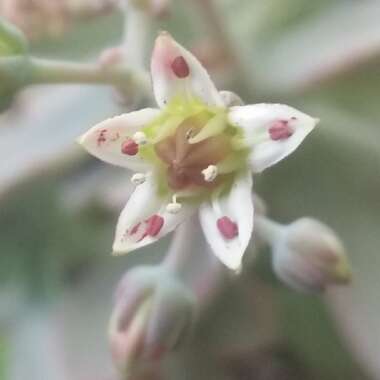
105,140
273,131
176,72
133,223
237,206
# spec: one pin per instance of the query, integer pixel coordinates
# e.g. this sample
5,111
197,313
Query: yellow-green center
186,139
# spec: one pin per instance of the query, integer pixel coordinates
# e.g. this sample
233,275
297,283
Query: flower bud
153,312
12,40
309,257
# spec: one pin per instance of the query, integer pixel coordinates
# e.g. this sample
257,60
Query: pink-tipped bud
153,311
309,257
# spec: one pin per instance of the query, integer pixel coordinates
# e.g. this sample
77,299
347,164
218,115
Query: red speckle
227,227
129,147
280,130
154,225
102,137
134,229
180,67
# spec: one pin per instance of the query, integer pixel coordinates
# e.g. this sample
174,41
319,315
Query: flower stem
267,229
220,33
136,31
190,257
31,70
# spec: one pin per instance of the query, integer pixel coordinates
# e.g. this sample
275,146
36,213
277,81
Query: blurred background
59,206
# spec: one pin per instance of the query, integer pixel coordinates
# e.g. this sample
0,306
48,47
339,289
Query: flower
309,257
196,152
153,313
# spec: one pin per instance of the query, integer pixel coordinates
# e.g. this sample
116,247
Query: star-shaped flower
196,152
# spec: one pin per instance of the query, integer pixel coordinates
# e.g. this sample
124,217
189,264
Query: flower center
185,162
193,147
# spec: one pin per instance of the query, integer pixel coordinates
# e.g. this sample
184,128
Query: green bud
14,74
12,40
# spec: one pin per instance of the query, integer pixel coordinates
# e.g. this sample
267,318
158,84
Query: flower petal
273,131
176,72
231,99
109,139
227,222
145,219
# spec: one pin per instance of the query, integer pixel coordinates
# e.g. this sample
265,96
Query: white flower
198,148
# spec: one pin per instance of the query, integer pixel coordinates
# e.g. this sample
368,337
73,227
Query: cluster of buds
152,315
51,17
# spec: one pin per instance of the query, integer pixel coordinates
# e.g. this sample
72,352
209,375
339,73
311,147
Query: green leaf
12,40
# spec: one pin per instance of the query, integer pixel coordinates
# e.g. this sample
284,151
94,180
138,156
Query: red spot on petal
227,227
180,67
154,225
280,130
129,147
102,137
134,229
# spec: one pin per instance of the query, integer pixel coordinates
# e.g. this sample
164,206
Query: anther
174,207
210,173
140,138
138,178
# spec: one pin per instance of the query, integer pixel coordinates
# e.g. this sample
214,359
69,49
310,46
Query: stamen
214,127
138,178
129,147
174,207
227,227
180,67
210,173
140,138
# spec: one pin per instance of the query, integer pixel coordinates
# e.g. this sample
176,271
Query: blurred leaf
50,129
307,328
84,39
49,246
12,40
316,47
3,356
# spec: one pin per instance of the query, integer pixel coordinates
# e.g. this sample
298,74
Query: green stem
267,229
30,71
